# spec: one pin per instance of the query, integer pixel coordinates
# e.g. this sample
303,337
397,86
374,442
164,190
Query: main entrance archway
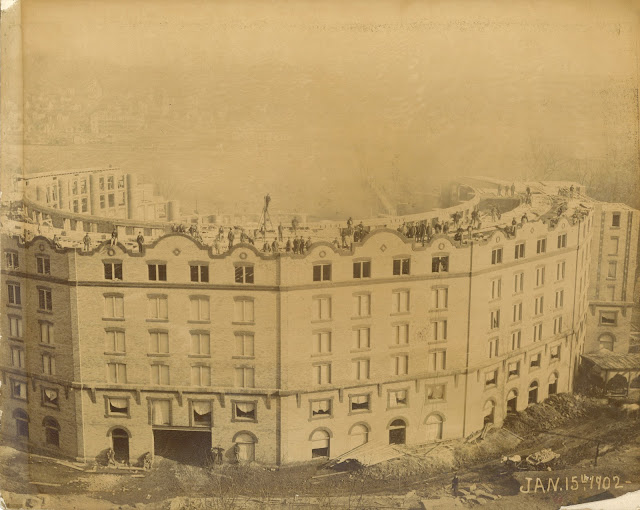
398,432
120,444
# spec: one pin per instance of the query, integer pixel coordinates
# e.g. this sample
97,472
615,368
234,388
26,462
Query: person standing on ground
231,236
454,485
87,242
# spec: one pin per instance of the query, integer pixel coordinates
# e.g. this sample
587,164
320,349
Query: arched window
120,444
606,342
434,425
512,401
51,431
358,435
533,392
22,423
320,444
553,383
398,431
246,447
488,411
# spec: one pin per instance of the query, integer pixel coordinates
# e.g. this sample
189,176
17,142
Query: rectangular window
359,403
115,341
559,298
160,412
541,246
244,377
492,346
48,364
321,308
562,241
435,392
438,360
440,298
199,308
158,307
245,344
615,219
322,342
76,206
85,205
516,337
322,373
535,361
496,256
113,270
518,283
555,352
362,338
19,390
200,343
400,301
557,325
401,334
400,364
537,332
608,318
517,312
118,406
114,307
560,270
11,260
14,294
495,319
513,369
243,310
439,330
112,200
440,264
519,251
101,183
15,327
362,269
117,373
103,204
362,305
244,411
110,181
121,182
321,272
160,374
361,369
201,414
199,273
491,378
496,288
157,272
159,342
615,246
44,300
200,375
244,274
320,408
540,274
401,266
612,270
17,357
43,265
539,305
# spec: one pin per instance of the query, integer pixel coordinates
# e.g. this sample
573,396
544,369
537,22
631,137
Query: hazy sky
311,94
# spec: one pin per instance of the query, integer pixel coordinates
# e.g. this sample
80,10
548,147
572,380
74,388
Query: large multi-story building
295,356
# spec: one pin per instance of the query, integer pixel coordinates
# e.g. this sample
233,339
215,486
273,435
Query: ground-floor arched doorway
398,432
120,445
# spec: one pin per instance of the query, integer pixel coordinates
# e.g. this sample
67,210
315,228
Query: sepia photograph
319,254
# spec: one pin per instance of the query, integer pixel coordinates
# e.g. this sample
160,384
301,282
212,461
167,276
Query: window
110,181
362,269
245,345
496,288
559,298
322,342
495,319
159,342
362,305
496,256
17,357
201,414
560,270
435,392
401,334
321,308
245,411
606,342
562,241
615,219
401,266
19,390
200,375
540,274
440,298
519,251
438,360
554,352
320,408
518,283
513,369
613,266
157,272
15,326
439,330
243,310
44,300
493,345
397,398
535,360
158,307
440,264
117,406
14,294
361,338
115,341
321,272
539,305
43,264
199,308
491,378
537,332
516,338
49,397
114,306
101,185
322,373
22,423
199,273
159,374
244,377
48,364
75,206
11,260
160,412
361,369
615,246
320,444
400,301
244,274
517,312
112,200
112,270
359,403
85,205
400,364
117,373
541,246
121,182
608,318
102,202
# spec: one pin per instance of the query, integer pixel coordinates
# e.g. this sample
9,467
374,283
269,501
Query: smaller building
619,373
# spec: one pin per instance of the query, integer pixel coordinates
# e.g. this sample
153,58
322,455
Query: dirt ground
572,427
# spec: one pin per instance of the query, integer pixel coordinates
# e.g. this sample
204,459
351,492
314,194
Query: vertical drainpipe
466,368
278,360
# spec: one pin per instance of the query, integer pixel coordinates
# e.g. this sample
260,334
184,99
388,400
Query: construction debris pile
477,493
